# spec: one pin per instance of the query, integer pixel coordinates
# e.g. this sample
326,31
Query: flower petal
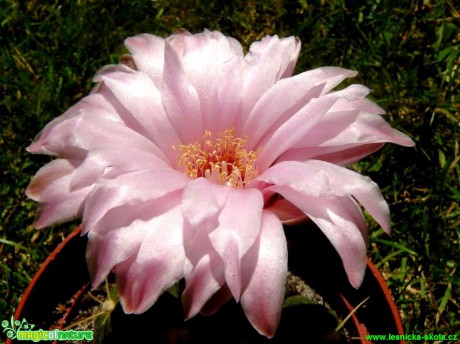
126,227
286,98
239,227
202,203
232,219
87,130
180,98
263,296
205,280
207,59
350,131
292,47
109,69
304,123
143,109
51,187
288,213
122,193
158,265
47,175
321,179
109,163
104,251
204,273
125,237
220,298
229,96
267,61
340,221
298,126
148,53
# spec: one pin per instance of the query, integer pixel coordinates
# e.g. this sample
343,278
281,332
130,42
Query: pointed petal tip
356,276
36,147
409,142
189,309
29,148
139,40
387,229
126,305
39,225
335,71
95,285
400,138
266,329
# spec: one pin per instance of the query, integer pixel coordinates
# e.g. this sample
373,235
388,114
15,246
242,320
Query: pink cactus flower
186,160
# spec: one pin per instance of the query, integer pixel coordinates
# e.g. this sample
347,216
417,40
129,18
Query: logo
22,330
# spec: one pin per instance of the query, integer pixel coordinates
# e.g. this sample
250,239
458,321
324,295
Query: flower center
223,160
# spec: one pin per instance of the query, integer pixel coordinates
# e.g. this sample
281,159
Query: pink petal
239,226
204,274
350,131
148,54
143,110
229,96
206,59
177,41
205,280
324,180
216,301
230,217
340,220
204,271
63,208
49,174
109,163
219,87
158,265
263,296
202,203
125,214
106,250
88,130
127,190
292,51
109,69
293,133
51,187
288,213
287,97
297,127
266,62
370,128
340,155
48,139
180,98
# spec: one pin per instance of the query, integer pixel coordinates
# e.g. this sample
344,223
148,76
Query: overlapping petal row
119,168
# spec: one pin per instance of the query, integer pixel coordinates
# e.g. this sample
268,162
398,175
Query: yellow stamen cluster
223,161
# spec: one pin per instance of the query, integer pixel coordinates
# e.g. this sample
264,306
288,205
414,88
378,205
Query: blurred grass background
406,52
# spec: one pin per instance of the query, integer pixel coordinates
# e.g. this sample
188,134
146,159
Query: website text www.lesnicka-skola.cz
414,337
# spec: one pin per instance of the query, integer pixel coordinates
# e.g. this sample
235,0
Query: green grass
408,54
